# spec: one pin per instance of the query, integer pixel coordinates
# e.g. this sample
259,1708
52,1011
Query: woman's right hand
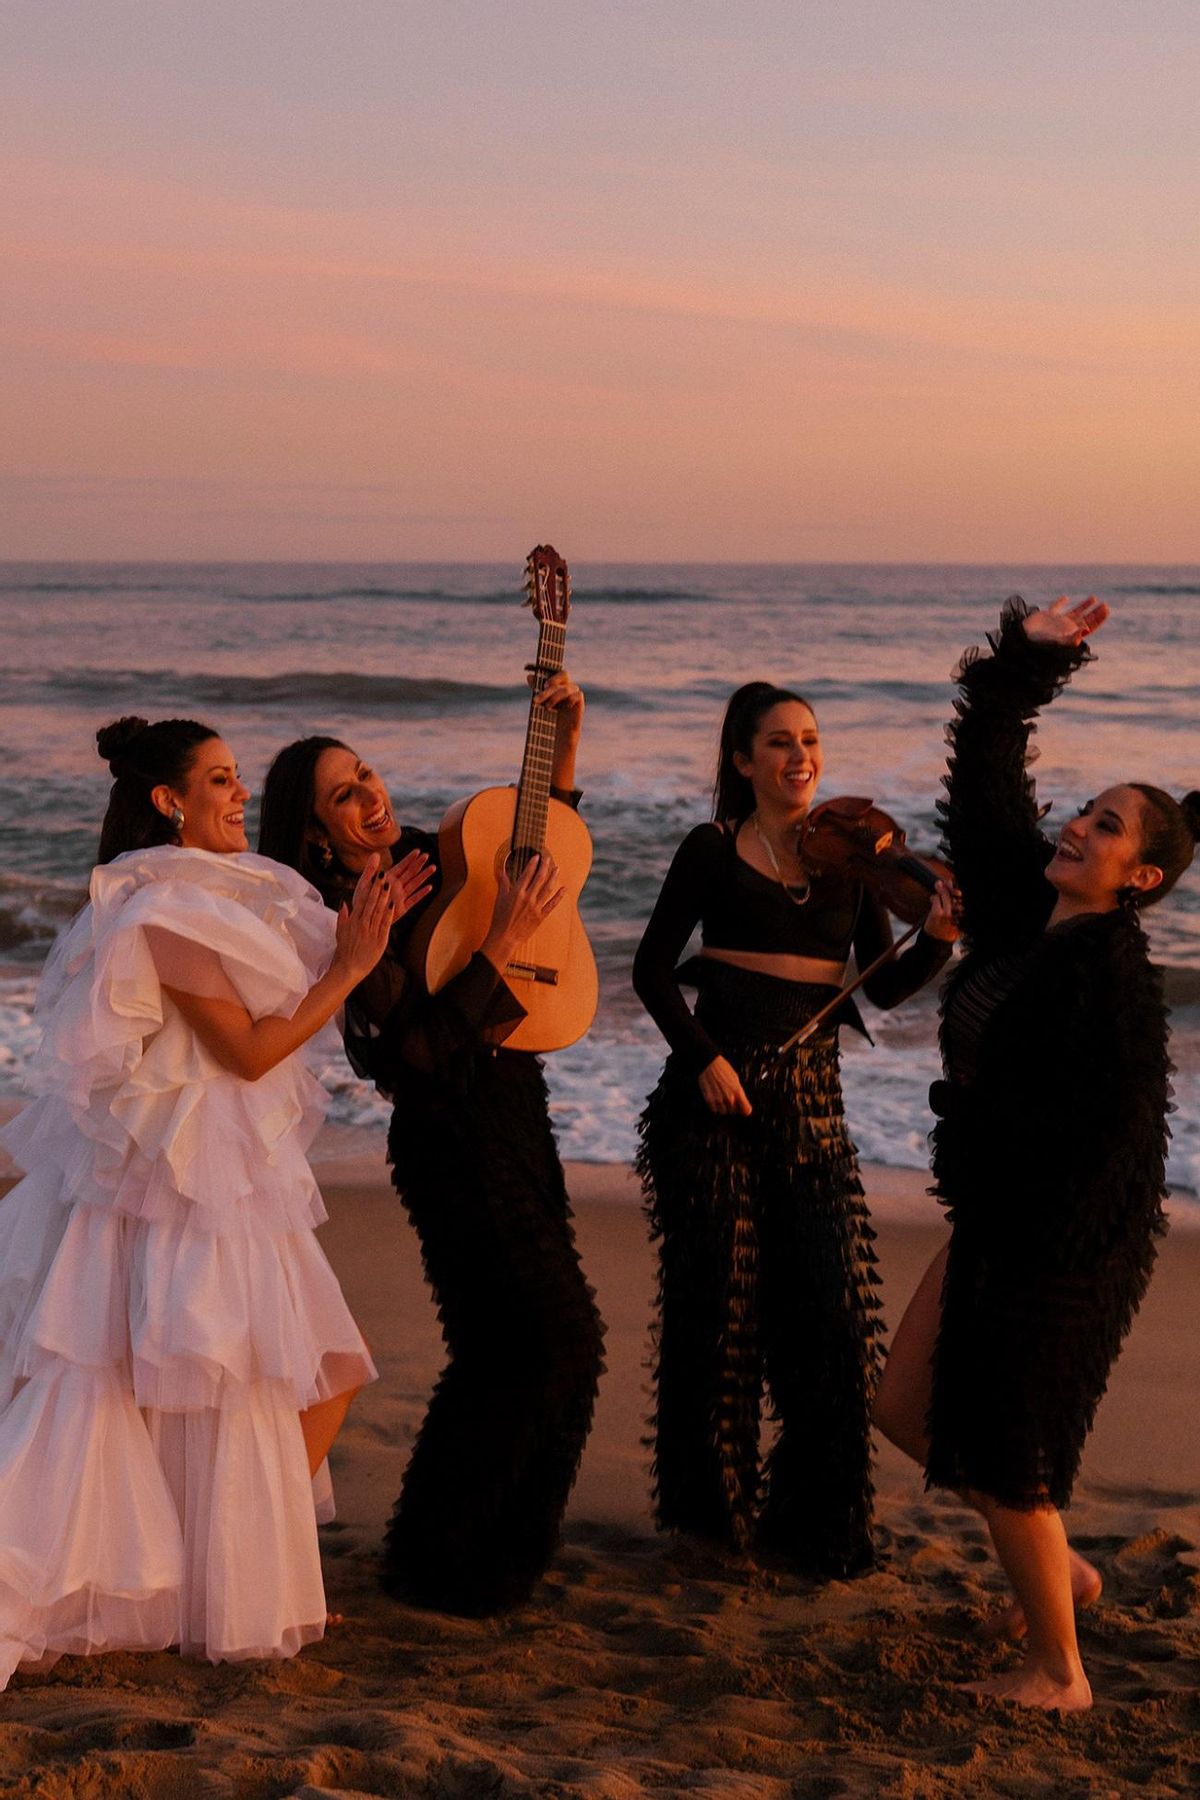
363,926
1064,623
721,1090
521,906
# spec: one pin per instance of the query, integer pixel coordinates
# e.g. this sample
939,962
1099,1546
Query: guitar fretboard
533,789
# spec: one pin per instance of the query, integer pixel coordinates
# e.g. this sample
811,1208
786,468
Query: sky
820,280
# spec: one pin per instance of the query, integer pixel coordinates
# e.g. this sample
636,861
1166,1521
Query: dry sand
642,1667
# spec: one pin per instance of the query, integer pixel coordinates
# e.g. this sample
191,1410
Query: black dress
474,1161
766,1271
1050,1146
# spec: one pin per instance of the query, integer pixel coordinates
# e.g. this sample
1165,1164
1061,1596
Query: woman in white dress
175,1351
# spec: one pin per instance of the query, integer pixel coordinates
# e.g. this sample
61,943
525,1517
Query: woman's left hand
408,881
1066,623
564,697
941,921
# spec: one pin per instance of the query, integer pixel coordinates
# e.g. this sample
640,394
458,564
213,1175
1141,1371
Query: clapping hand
408,881
363,926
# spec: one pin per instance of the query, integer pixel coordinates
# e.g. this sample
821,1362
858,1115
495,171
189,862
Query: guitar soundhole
518,860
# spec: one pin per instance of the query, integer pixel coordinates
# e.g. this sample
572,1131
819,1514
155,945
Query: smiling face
1099,853
212,800
784,764
353,813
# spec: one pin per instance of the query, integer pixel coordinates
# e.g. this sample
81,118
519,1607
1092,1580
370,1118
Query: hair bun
113,740
1190,807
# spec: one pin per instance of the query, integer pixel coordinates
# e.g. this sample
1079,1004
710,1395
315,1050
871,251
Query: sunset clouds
678,281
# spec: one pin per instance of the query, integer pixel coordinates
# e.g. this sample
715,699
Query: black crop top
739,908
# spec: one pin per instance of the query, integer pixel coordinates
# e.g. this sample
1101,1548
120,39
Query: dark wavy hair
286,816
142,757
1170,831
733,794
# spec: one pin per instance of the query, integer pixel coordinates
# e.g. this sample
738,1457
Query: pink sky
681,281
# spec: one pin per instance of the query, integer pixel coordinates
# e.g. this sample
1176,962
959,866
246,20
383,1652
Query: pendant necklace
800,899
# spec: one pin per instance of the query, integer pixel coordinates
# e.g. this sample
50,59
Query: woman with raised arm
175,1353
765,1261
474,1162
1050,1143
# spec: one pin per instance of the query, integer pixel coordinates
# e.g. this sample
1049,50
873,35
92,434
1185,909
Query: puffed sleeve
989,817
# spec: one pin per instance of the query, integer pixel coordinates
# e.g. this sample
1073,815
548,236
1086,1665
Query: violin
857,836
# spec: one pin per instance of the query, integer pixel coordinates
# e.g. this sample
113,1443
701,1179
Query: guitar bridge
525,971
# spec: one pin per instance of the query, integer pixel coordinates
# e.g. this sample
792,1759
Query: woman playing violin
766,1269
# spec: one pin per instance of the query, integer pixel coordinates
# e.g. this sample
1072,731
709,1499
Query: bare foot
1034,1686
333,1620
1086,1588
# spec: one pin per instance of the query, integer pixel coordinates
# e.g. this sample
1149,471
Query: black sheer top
739,908
393,1028
391,1025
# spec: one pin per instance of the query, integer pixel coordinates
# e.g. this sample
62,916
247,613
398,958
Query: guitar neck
537,764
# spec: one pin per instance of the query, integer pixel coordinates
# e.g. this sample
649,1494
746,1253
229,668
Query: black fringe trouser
478,1516
767,1279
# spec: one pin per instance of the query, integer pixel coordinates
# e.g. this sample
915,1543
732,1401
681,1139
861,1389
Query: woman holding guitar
474,1161
766,1268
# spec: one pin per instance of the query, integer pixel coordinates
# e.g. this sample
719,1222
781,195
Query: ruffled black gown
1050,1146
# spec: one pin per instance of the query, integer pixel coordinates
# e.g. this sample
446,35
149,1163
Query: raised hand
363,926
1066,622
721,1088
408,881
521,906
564,698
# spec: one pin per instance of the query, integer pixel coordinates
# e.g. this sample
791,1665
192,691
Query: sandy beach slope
644,1667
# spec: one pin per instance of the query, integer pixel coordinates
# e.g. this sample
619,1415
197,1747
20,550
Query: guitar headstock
547,584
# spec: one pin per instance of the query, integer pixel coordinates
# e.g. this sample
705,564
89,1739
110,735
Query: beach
646,1666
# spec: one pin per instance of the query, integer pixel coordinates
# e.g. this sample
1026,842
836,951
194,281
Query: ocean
420,668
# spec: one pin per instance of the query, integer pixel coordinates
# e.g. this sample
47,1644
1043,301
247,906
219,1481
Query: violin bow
805,1032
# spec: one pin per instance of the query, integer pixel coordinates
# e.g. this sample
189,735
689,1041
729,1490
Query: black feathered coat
1050,1159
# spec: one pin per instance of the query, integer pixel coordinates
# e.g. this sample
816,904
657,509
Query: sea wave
347,689
507,596
32,911
91,587
1161,589
823,690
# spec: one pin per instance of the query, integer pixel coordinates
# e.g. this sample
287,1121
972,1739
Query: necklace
797,899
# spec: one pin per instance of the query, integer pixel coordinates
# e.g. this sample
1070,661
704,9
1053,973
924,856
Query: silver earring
325,856
177,817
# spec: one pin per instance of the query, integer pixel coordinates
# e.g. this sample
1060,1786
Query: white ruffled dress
165,1310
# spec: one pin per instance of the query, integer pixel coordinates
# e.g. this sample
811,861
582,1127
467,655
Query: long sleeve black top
739,908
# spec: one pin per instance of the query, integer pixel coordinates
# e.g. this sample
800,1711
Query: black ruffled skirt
767,1281
1036,1302
486,1486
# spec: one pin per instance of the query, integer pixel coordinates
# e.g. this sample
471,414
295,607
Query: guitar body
553,974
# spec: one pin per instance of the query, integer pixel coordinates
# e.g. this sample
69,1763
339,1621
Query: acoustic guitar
553,974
